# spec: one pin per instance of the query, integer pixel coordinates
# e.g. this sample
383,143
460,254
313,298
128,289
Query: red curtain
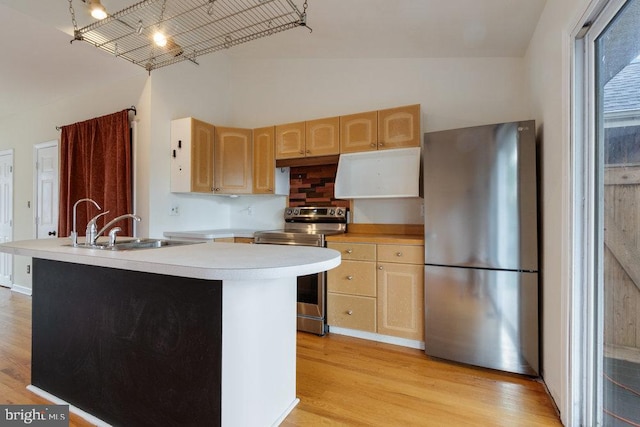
95,162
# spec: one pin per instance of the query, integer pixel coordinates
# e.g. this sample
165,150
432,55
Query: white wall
453,92
253,93
549,65
22,131
185,90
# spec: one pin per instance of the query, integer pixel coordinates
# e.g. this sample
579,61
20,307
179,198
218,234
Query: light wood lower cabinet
389,277
243,240
401,300
234,239
352,311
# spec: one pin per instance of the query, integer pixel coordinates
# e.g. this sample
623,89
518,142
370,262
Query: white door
47,190
6,215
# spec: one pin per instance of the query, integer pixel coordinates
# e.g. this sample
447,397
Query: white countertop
210,234
210,261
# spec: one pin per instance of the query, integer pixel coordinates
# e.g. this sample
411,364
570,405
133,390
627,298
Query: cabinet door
401,300
264,162
323,137
233,160
290,141
359,132
399,127
202,135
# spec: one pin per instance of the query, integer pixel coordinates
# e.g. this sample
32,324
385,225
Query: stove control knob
295,211
340,212
289,211
332,212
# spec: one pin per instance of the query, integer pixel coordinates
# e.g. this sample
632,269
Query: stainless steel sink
128,245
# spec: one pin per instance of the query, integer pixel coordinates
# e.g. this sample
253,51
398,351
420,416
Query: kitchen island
200,334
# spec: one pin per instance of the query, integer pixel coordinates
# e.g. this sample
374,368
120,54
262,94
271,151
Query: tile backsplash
313,186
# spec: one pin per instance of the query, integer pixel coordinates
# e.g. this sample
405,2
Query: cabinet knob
380,144
349,277
308,151
380,267
398,253
301,152
349,312
373,144
349,251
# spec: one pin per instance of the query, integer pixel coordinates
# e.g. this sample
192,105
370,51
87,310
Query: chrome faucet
74,234
92,234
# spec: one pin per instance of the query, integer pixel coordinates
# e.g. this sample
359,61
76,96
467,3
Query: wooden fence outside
622,260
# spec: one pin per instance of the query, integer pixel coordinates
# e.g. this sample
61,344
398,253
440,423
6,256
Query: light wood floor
341,381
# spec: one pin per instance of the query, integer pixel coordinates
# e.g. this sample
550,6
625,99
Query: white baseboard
404,342
286,413
79,412
22,290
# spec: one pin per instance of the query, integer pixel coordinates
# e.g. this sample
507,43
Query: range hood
393,173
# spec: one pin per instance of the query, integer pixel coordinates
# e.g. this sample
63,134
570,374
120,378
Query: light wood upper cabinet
264,162
192,154
359,132
290,140
308,139
399,127
322,137
233,161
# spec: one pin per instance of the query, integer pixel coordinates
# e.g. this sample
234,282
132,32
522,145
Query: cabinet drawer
405,254
353,277
355,251
351,311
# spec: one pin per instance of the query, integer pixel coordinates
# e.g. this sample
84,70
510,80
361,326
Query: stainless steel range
308,226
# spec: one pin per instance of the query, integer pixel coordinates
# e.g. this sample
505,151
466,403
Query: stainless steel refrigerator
481,246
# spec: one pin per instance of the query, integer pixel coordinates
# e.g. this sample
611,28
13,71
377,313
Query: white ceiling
39,64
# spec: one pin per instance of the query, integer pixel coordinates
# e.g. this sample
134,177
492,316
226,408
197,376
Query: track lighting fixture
97,9
157,33
159,39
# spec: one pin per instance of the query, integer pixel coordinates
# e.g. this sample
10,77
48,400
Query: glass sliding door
616,82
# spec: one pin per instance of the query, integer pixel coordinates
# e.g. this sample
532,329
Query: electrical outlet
28,268
174,211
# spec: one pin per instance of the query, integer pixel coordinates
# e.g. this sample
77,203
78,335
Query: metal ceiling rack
191,27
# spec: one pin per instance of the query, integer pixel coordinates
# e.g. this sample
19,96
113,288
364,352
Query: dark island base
131,348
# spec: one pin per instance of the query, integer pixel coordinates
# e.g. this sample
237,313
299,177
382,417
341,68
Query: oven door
311,304
311,295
